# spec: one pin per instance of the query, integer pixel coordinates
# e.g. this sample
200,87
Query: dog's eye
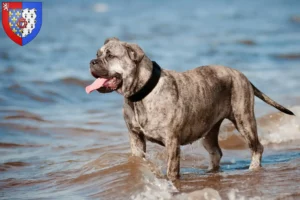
99,54
110,56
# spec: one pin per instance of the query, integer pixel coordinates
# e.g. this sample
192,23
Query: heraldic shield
22,21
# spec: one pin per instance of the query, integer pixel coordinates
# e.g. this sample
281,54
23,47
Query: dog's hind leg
242,101
211,144
247,127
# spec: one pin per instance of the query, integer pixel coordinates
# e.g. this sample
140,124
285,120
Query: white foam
156,188
234,195
164,190
286,130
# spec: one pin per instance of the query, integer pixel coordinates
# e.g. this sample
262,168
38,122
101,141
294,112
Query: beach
57,142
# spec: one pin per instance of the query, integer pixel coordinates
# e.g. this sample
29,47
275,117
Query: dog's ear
110,39
135,52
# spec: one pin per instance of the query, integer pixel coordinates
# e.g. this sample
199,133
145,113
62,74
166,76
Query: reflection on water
57,142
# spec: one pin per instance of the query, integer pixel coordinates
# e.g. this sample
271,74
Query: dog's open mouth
104,84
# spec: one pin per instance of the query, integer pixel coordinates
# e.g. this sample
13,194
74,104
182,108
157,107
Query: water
56,142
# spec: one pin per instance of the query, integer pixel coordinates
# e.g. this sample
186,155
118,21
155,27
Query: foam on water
160,188
273,129
165,190
287,129
156,189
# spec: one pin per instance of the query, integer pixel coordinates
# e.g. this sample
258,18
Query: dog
172,109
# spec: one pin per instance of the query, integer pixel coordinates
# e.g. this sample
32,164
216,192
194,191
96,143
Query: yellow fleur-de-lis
14,19
10,13
18,13
14,30
10,24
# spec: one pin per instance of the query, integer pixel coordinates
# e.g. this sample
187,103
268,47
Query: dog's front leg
137,143
137,138
173,151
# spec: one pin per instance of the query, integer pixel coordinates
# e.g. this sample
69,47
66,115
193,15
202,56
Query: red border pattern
5,21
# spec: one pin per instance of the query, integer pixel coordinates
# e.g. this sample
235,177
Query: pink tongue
95,85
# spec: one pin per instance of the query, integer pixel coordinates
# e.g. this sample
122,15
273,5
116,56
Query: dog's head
115,66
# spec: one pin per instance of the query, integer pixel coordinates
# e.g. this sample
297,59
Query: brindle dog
182,107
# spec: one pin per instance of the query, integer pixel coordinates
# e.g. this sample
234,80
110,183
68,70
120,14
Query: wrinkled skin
183,107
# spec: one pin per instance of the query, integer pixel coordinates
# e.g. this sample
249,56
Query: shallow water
56,142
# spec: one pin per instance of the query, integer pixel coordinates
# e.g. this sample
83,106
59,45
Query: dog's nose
94,61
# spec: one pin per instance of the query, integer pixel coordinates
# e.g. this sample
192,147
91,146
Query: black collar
150,84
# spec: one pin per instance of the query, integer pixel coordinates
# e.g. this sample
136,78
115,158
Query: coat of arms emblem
22,21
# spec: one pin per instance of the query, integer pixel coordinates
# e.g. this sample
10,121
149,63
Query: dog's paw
255,167
173,177
213,169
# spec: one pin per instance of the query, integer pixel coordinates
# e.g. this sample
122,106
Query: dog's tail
271,102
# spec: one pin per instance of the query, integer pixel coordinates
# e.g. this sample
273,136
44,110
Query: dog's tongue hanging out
99,82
